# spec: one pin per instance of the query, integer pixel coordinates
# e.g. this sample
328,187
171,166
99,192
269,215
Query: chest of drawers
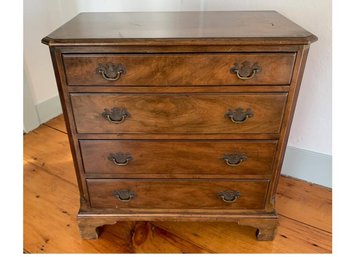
178,116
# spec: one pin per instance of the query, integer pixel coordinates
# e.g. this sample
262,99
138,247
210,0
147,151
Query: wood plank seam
305,223
51,173
44,124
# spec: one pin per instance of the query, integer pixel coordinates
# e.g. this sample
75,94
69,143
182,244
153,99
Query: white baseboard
49,109
309,166
31,120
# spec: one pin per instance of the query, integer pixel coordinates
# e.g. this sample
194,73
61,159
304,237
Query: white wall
40,18
311,128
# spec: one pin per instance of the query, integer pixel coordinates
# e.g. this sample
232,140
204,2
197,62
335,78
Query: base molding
89,226
309,166
266,224
266,228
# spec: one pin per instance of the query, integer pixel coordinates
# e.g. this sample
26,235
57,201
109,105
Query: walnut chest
178,116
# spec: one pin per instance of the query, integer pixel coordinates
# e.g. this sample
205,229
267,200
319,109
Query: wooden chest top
247,27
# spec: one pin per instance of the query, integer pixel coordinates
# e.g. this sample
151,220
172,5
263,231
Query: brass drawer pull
239,115
234,159
120,159
123,195
229,196
111,71
116,115
246,70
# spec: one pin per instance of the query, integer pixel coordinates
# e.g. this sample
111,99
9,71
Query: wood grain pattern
292,237
290,202
48,148
270,54
55,230
147,237
57,123
178,157
176,193
179,69
181,113
50,223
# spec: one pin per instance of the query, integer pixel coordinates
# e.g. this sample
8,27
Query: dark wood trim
137,136
181,49
176,176
199,215
176,89
265,223
296,82
179,42
57,61
287,121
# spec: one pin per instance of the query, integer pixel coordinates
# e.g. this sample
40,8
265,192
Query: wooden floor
51,203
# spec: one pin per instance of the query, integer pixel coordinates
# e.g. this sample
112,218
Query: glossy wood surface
179,69
244,27
181,113
176,193
170,157
168,106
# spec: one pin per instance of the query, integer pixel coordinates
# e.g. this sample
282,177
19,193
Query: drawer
177,193
172,157
179,69
178,113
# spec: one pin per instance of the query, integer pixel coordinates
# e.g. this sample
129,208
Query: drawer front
182,113
178,69
177,157
177,193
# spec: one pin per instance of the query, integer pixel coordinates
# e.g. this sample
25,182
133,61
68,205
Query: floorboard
51,203
57,123
305,202
292,237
